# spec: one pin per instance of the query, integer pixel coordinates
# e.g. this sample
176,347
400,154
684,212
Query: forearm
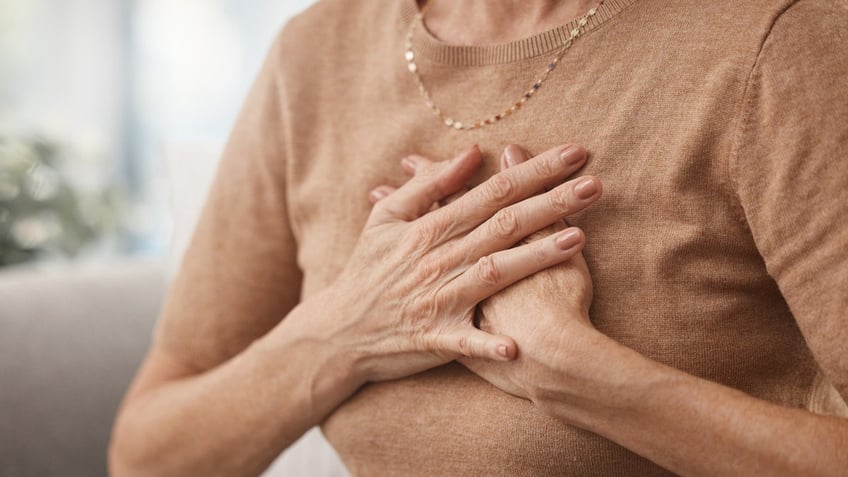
692,426
236,418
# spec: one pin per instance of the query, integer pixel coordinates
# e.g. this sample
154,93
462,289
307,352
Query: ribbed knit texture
540,44
719,130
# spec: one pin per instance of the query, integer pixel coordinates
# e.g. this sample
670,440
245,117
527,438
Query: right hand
405,302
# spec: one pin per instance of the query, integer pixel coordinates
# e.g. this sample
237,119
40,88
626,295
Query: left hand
547,314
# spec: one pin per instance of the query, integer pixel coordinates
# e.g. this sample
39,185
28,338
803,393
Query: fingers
510,225
380,192
474,343
496,271
431,183
512,156
453,197
510,186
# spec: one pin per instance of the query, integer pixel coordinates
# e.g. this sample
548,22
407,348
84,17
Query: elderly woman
714,342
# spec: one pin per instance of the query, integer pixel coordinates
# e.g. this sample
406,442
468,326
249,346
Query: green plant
41,214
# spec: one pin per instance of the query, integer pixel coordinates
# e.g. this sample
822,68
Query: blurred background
112,113
93,93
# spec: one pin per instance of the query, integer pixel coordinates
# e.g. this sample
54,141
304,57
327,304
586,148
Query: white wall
115,80
61,74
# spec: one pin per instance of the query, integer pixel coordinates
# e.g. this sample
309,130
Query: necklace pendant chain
450,122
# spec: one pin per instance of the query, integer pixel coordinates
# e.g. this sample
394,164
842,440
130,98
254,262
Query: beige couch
71,338
70,341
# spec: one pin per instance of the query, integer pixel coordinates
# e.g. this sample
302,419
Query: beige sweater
720,247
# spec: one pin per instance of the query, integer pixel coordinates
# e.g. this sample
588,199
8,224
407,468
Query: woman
715,339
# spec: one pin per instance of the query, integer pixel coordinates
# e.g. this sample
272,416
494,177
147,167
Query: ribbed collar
425,44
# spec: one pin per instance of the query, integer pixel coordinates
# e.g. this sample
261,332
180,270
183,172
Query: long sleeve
793,186
239,276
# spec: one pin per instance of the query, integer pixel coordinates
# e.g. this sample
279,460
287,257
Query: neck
485,22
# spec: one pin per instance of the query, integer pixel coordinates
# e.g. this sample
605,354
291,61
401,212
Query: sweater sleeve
789,168
239,276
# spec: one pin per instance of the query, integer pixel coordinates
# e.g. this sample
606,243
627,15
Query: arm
689,425
793,188
229,383
237,281
686,424
404,304
236,418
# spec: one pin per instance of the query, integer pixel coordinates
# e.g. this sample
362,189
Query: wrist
598,379
309,340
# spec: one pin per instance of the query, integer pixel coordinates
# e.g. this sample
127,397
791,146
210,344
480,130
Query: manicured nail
568,239
503,351
572,155
376,195
514,155
408,164
586,188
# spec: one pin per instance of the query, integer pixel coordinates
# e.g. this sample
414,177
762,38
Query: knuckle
558,200
464,345
488,271
505,224
443,302
499,188
423,339
540,253
430,269
428,232
544,167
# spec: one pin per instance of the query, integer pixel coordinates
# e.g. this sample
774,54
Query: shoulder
803,57
772,22
340,23
748,36
809,26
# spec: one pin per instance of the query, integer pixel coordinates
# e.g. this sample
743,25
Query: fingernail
586,188
572,155
514,155
411,165
376,195
568,239
503,351
408,164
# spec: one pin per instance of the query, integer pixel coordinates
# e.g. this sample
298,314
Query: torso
677,275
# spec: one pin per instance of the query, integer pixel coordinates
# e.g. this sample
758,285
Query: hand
543,313
405,301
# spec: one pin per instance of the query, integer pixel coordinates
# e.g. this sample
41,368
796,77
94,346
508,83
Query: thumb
475,343
417,196
513,155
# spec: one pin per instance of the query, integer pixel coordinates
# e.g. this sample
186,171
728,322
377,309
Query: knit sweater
720,246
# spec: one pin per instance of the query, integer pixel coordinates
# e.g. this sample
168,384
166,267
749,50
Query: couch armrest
70,340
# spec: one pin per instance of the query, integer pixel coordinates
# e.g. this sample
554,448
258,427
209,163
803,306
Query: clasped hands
546,313
491,276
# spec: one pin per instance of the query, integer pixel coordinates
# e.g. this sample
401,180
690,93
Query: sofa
72,336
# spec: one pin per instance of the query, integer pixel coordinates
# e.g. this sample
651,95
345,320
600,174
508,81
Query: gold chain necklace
468,125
